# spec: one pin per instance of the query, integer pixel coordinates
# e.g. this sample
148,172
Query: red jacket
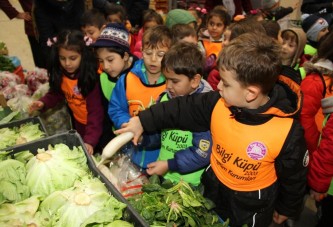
311,117
214,78
321,165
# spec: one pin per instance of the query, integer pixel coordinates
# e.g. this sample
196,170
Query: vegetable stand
72,139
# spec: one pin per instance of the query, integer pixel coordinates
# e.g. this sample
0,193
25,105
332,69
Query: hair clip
52,41
88,40
203,11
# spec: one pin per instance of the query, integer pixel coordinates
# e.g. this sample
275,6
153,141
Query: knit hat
312,25
268,4
179,16
113,35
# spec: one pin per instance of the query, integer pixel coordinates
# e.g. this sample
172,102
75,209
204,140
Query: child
184,32
186,157
255,171
141,87
150,19
113,53
315,28
92,23
73,76
234,30
115,13
316,86
321,169
272,29
217,21
293,43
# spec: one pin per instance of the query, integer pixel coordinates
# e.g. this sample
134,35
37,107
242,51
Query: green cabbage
13,181
20,214
55,169
19,135
86,203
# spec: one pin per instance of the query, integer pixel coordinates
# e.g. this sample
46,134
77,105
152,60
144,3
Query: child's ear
252,93
126,56
195,81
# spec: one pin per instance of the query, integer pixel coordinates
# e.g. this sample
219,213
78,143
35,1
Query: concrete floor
12,33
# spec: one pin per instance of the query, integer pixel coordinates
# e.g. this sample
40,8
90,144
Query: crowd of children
238,106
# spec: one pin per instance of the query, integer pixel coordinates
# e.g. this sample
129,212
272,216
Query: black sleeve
291,170
281,12
191,113
312,6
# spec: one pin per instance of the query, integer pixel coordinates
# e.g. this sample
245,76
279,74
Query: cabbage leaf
13,181
55,169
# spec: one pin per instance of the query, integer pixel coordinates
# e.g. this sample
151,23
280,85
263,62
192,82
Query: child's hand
279,218
89,148
158,167
318,196
36,105
134,125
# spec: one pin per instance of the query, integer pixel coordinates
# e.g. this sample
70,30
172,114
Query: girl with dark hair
73,76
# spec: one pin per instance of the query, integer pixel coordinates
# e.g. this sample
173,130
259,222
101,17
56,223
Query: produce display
18,135
54,188
166,204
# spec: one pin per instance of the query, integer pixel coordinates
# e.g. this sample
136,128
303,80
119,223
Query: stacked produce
54,188
18,135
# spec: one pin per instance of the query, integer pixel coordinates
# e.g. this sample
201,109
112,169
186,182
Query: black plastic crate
18,123
72,138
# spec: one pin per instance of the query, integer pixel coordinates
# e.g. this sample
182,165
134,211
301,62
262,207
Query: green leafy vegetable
179,205
55,169
18,135
87,202
12,181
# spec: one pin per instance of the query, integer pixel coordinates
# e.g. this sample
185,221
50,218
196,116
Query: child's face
215,27
112,63
149,24
179,84
92,32
322,33
114,18
231,90
227,34
289,47
69,60
190,39
152,59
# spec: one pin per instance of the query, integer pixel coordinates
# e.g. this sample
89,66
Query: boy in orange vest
259,158
141,87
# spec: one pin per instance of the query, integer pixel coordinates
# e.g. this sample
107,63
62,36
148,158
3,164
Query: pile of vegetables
55,188
18,135
166,204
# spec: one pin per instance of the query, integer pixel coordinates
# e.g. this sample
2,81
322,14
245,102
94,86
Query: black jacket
194,113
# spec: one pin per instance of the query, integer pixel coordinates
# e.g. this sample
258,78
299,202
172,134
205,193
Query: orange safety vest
212,47
75,100
139,95
243,155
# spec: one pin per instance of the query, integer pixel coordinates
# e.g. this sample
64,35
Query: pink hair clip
203,11
52,41
88,40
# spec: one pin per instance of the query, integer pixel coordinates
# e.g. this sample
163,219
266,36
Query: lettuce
55,169
20,214
87,202
13,181
18,135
